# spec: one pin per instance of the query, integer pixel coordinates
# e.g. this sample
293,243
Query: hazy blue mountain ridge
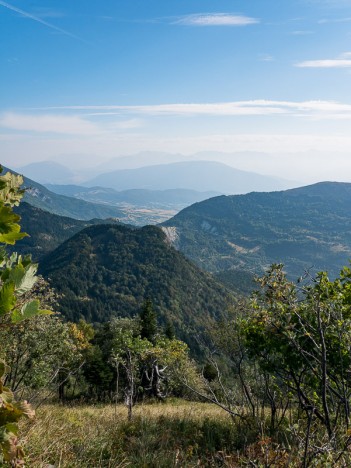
47,172
201,176
138,197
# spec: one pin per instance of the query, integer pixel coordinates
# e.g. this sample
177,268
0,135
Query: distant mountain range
308,227
48,172
39,196
141,159
201,176
102,270
139,207
166,199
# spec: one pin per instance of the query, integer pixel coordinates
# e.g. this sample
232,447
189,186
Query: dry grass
160,435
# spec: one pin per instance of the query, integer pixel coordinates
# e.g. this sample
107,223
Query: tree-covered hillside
107,270
46,231
302,228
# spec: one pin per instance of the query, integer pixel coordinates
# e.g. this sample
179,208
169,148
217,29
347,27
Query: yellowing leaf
7,298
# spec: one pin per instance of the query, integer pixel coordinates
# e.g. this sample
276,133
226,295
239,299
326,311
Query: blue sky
85,81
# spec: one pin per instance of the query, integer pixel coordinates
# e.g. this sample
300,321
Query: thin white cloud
334,20
336,63
63,124
39,20
342,61
216,19
320,109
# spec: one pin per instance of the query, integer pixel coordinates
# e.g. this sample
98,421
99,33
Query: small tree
303,337
127,349
153,368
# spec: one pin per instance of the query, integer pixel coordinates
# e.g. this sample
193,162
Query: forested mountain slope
45,230
302,228
109,270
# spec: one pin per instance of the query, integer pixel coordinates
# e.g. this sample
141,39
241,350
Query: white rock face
34,192
172,235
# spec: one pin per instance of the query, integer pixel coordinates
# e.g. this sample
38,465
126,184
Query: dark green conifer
148,321
169,330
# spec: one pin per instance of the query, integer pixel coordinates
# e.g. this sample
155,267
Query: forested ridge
304,228
106,271
47,230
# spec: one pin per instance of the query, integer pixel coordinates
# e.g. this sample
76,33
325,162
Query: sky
266,82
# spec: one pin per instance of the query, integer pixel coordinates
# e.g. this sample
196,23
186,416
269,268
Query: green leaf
13,235
29,310
24,278
9,228
7,298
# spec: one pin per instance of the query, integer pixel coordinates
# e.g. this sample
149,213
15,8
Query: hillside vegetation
46,231
304,228
106,270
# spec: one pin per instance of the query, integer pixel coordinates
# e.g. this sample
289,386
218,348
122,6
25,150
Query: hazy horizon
265,89
306,170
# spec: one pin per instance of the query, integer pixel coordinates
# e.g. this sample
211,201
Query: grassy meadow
174,434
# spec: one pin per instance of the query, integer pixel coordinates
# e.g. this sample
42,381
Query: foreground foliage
17,278
301,336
